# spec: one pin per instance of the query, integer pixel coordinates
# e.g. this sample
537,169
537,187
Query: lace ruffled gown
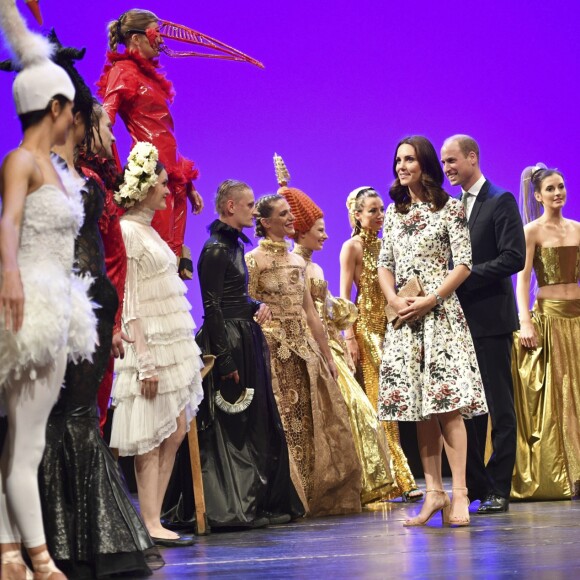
92,528
154,295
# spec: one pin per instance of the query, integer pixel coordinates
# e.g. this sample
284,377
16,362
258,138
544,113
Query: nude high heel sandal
443,507
14,557
460,521
44,567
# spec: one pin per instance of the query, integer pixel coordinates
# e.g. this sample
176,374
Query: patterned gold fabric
558,265
547,399
323,462
369,437
369,330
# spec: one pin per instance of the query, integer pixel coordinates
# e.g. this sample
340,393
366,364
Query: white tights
28,405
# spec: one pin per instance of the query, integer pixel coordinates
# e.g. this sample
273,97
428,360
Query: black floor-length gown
91,526
244,455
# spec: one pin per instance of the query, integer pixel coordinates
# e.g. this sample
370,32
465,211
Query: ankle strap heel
460,521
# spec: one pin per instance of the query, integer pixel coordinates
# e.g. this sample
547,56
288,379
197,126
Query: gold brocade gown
324,466
547,388
369,438
369,330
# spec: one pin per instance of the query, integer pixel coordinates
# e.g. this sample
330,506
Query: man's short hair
466,144
228,189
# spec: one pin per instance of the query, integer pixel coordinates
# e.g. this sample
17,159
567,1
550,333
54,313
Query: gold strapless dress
547,388
369,330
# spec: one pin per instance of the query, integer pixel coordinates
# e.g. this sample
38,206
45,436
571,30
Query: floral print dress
428,366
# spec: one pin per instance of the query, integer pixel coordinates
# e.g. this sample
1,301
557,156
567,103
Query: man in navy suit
487,298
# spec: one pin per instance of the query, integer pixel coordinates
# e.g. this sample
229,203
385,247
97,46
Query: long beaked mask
35,9
171,31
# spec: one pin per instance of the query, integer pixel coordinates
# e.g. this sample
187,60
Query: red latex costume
133,87
115,260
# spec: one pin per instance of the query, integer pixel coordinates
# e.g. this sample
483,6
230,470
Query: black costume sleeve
212,271
511,245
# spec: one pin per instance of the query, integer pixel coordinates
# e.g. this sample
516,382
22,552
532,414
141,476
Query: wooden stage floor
533,540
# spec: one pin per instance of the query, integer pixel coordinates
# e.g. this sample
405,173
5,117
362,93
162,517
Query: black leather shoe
261,522
278,518
494,504
180,542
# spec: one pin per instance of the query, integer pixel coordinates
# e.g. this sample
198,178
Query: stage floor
533,540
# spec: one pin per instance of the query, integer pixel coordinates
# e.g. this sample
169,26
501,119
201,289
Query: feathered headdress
39,79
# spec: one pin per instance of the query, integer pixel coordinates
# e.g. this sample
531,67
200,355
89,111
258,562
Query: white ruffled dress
154,295
57,310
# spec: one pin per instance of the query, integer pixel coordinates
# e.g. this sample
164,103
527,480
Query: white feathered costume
57,310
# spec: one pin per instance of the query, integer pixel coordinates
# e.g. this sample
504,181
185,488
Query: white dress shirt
471,195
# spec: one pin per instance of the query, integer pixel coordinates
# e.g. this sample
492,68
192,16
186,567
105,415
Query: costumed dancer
244,455
546,351
157,387
324,465
339,314
45,314
132,86
93,530
98,164
429,371
358,265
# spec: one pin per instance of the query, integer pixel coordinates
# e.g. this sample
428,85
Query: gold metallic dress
369,330
369,437
324,465
547,388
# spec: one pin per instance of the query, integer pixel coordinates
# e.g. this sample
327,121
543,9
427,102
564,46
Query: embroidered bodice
278,278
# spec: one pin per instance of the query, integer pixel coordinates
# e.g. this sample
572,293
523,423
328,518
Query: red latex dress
133,87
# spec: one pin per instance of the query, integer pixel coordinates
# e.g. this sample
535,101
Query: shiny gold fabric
369,438
323,462
369,330
547,398
559,265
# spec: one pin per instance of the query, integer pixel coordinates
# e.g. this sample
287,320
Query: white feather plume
27,47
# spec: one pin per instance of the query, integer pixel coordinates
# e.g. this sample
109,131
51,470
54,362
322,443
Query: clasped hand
412,308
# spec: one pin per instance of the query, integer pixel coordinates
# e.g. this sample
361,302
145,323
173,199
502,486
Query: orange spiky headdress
305,211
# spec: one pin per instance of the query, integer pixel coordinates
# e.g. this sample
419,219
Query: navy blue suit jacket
499,251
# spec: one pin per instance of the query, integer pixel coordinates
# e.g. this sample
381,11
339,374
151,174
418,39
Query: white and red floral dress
428,367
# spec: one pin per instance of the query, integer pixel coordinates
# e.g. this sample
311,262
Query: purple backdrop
344,83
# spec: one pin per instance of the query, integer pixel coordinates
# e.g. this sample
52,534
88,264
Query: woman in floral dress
429,371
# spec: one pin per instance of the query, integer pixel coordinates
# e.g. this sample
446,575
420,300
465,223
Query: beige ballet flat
464,521
44,566
14,558
444,509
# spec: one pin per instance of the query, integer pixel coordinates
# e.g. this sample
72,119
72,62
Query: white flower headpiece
139,175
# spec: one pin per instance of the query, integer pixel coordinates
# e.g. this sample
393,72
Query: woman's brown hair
431,176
